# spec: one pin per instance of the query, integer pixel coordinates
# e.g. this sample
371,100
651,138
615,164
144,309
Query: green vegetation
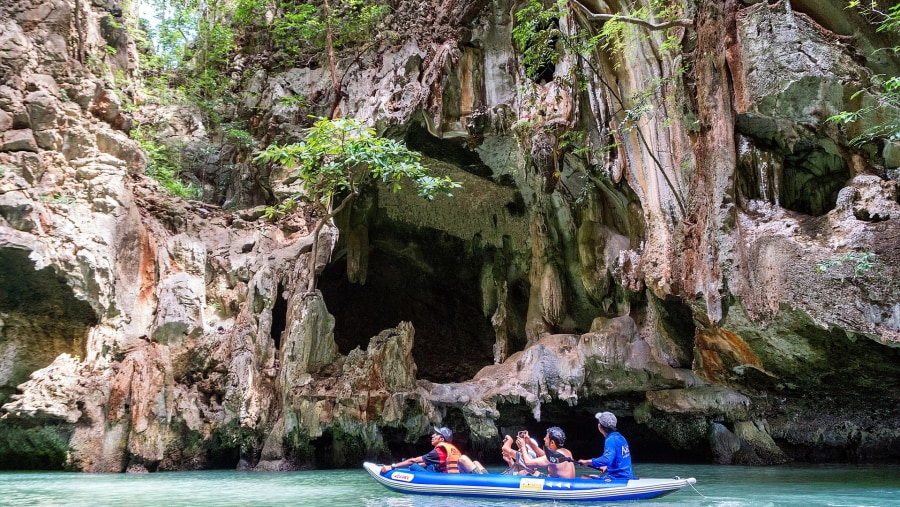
861,261
235,134
541,42
196,40
536,34
303,30
884,89
55,198
40,448
189,54
338,155
164,164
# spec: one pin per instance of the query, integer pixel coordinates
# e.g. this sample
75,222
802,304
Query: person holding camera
515,457
554,456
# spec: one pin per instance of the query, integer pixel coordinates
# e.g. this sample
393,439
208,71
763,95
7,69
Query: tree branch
332,62
636,21
315,242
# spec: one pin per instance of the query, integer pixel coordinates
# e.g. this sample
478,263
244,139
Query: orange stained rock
720,350
147,268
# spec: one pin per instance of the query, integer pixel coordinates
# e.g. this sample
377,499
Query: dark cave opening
454,151
539,46
338,449
805,178
812,179
429,280
28,447
42,318
676,322
279,316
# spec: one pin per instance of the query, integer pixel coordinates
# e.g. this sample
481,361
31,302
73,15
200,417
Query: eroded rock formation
662,262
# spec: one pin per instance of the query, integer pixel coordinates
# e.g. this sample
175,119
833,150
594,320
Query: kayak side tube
514,486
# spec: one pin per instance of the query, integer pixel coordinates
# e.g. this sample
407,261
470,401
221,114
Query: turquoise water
720,486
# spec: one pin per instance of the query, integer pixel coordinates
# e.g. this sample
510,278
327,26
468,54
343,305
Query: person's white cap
606,419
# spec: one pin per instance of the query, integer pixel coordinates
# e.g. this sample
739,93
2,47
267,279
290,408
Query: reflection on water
717,486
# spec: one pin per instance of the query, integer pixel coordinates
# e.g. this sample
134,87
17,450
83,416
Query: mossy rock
40,448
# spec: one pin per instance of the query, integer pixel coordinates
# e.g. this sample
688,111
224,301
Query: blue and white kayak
517,486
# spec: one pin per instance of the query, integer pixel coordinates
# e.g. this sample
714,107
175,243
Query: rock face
713,262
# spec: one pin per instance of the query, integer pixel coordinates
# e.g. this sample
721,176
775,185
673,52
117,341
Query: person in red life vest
444,458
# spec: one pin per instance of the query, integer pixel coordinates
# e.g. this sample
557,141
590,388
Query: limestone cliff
650,232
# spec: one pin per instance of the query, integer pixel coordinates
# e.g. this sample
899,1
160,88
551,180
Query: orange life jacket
451,456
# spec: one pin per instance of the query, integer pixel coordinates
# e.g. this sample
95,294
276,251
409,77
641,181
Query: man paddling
616,458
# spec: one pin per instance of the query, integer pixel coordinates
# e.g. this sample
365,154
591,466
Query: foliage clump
301,31
885,89
203,52
337,156
861,262
164,164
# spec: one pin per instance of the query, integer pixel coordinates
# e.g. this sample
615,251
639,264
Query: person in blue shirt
616,459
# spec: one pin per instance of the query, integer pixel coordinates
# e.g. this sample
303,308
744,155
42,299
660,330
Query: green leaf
333,151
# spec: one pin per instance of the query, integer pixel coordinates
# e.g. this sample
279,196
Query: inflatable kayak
517,486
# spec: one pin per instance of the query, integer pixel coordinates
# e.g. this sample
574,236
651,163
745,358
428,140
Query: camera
522,434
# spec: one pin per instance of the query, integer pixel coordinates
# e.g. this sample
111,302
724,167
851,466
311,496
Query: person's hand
603,469
585,462
525,434
386,468
507,437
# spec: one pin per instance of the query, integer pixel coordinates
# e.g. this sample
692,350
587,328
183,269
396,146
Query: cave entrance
812,179
279,316
40,318
426,278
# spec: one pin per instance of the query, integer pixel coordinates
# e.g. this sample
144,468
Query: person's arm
509,454
535,447
601,462
540,461
401,464
525,443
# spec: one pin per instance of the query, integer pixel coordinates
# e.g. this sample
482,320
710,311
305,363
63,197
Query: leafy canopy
338,154
536,32
887,88
301,29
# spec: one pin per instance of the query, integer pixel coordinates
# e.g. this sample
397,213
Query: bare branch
636,21
313,254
